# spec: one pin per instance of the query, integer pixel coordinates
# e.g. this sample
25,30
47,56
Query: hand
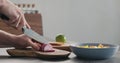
15,15
22,41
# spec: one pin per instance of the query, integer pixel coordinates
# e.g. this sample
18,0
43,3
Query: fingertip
35,46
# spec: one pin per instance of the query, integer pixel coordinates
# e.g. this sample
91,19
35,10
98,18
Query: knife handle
4,17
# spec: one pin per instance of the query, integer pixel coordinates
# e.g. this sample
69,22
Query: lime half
60,38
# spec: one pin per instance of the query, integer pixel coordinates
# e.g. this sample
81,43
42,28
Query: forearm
6,38
2,2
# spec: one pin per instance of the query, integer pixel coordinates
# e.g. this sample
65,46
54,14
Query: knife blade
34,35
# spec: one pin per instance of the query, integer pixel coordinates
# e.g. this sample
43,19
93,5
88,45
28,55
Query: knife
29,32
32,34
4,17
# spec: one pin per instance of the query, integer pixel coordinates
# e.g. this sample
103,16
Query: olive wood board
31,53
63,47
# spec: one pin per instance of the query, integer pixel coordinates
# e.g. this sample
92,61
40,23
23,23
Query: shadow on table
10,57
110,60
55,59
29,58
4,57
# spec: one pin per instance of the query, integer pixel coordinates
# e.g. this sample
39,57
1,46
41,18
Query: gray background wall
80,20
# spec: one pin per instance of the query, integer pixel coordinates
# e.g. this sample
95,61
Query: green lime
60,38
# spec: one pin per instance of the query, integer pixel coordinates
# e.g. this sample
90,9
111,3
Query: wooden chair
35,21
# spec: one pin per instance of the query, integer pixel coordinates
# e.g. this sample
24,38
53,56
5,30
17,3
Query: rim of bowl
113,45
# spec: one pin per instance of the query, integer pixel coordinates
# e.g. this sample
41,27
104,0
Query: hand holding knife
33,35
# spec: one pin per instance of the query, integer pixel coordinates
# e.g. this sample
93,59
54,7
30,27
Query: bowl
94,53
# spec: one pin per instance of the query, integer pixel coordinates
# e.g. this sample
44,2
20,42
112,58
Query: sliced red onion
46,48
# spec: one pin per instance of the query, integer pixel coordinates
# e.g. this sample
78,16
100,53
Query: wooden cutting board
31,53
63,47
